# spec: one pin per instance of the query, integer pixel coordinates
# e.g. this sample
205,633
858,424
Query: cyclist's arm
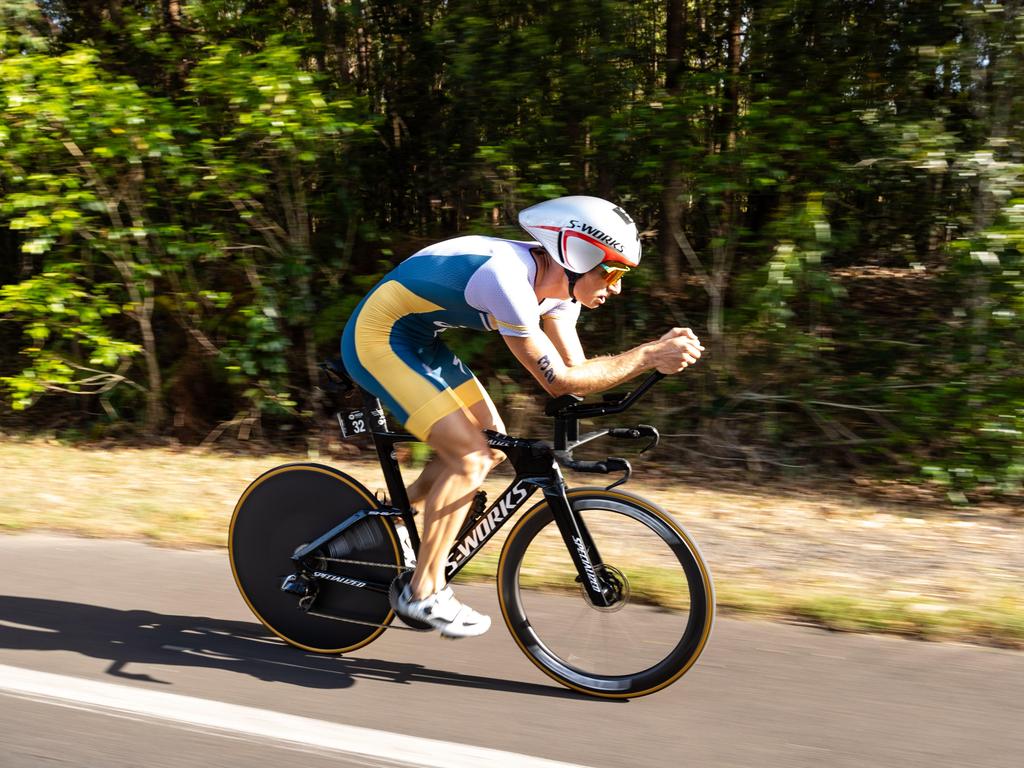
542,358
562,332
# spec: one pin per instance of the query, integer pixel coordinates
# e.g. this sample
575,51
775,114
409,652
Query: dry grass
838,561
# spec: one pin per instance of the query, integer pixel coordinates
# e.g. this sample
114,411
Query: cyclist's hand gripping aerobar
676,350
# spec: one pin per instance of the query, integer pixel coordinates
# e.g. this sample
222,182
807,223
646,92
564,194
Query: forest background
194,194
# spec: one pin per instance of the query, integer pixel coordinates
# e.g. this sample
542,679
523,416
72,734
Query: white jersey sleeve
502,289
563,310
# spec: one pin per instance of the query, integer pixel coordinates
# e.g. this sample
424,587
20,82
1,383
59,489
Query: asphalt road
150,619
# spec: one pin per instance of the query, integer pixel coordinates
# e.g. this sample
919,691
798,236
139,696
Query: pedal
397,585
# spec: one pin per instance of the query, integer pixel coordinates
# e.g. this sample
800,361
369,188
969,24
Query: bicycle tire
560,657
285,508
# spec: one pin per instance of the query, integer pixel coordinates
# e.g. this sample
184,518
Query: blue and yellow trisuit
392,347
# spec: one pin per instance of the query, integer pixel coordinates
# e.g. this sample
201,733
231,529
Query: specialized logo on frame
504,507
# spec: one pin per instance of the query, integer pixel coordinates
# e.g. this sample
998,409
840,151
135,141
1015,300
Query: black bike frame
537,465
536,468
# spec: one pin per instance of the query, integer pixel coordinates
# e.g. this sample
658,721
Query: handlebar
573,405
567,410
604,467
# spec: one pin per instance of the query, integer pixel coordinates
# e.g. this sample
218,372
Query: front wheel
662,613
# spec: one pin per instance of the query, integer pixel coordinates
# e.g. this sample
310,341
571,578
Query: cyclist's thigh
466,386
458,441
483,410
419,379
468,389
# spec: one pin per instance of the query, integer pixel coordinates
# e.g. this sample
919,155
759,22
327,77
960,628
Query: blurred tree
266,129
83,152
820,183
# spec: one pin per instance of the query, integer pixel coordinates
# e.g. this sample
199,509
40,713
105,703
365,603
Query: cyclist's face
593,288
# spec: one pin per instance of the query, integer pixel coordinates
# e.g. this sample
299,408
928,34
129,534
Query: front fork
578,541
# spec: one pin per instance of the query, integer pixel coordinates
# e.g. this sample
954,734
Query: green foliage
102,178
78,148
194,196
796,273
268,130
60,314
986,395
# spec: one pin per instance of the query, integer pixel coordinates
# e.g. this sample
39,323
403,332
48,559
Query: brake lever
603,467
636,433
617,464
646,430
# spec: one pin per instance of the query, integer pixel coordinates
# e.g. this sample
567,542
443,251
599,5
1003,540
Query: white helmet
581,232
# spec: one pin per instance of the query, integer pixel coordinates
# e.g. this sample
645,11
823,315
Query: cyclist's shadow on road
132,638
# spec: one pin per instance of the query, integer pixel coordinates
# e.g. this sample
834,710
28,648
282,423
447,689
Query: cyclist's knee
474,464
463,448
496,458
492,422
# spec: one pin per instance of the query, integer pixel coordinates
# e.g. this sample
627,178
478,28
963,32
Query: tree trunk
732,83
172,13
724,251
318,17
671,212
154,392
674,44
672,183
994,100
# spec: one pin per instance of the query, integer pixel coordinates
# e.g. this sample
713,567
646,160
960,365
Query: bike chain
364,623
399,568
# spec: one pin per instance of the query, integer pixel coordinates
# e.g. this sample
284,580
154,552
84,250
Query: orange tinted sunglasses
613,272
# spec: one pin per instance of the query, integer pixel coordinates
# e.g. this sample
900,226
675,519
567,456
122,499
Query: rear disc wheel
285,509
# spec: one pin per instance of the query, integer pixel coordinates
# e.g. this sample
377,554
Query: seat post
385,446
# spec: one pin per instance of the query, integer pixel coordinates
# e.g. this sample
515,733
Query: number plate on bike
353,423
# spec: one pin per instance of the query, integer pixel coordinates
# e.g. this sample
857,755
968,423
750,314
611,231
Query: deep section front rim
629,652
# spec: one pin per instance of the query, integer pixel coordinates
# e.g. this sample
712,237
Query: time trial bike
603,590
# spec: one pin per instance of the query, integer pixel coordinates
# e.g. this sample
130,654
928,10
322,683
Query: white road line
249,721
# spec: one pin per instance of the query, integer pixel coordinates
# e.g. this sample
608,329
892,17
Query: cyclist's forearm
601,373
541,358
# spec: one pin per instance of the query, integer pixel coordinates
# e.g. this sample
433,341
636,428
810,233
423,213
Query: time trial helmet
580,232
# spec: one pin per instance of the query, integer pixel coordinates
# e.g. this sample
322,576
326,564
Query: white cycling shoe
444,612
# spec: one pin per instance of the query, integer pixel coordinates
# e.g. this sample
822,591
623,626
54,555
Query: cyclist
530,293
